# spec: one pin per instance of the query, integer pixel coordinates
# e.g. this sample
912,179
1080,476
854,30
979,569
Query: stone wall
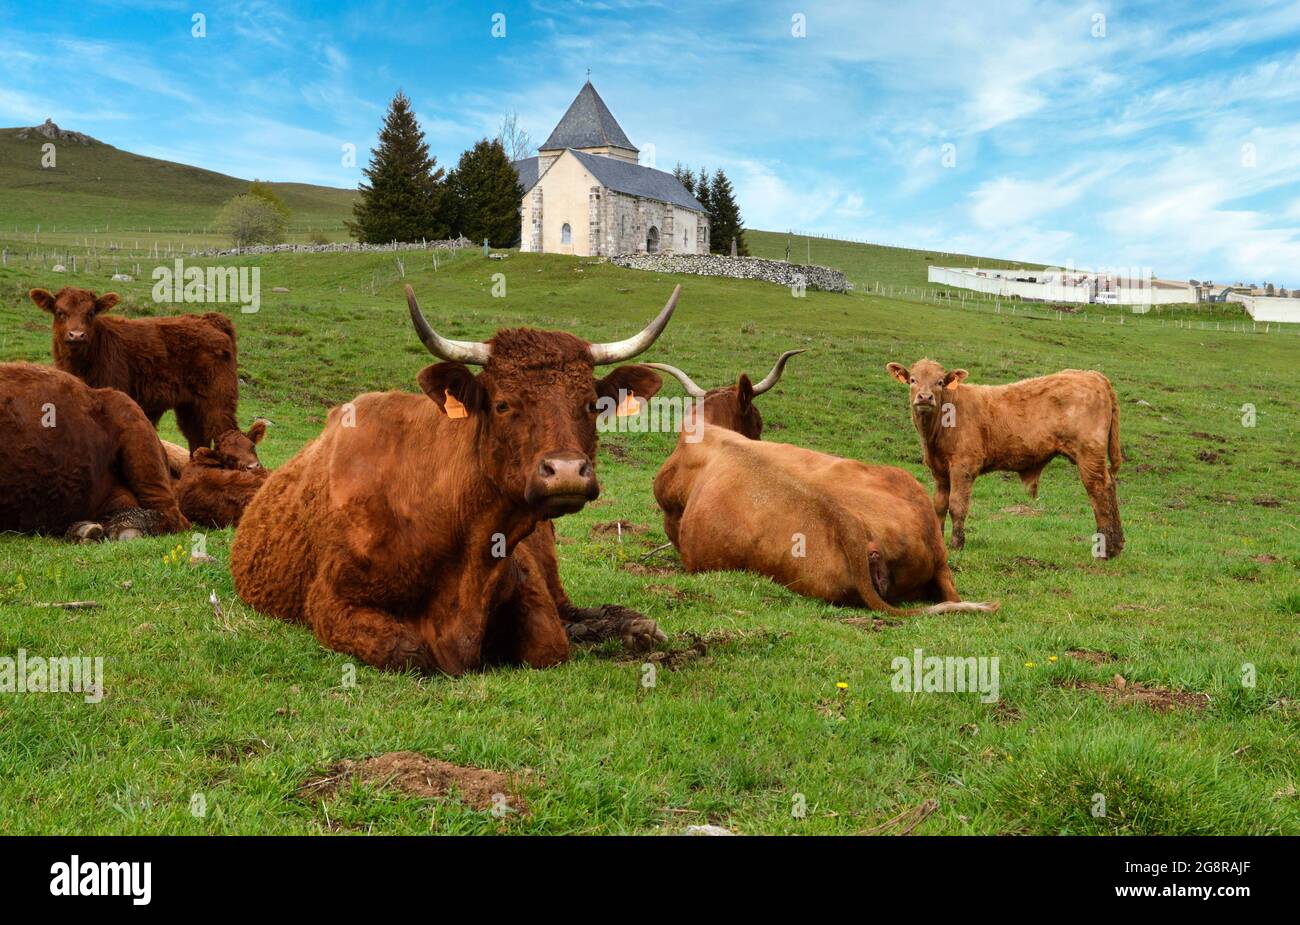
620,223
343,247
769,271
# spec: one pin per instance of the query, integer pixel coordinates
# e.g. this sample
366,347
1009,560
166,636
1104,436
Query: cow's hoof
85,531
612,621
131,524
643,634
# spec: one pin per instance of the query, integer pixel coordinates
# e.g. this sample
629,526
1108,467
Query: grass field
244,709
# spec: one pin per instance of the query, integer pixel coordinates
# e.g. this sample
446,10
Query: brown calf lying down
215,485
185,363
967,430
414,531
76,457
823,526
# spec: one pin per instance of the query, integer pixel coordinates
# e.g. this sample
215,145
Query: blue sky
1162,135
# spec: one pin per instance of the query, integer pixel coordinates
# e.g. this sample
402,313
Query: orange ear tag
453,407
628,407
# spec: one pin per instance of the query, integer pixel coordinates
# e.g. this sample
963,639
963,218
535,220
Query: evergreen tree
484,193
725,222
403,200
701,190
685,176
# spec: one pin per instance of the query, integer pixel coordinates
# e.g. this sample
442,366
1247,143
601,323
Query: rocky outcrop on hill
770,271
49,130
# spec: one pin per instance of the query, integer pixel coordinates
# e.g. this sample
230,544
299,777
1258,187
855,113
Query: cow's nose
926,397
557,472
253,466
74,337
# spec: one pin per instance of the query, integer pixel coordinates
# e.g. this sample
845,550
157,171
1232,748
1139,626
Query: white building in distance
586,194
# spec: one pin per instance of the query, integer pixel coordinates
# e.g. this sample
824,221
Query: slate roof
635,180
588,123
527,170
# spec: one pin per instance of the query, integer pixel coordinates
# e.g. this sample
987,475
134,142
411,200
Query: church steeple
589,126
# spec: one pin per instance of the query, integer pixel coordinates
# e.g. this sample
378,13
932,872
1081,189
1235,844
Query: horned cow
414,531
185,363
967,430
821,525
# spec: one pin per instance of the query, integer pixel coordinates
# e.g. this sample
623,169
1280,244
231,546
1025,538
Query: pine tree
701,190
403,200
725,222
685,176
484,193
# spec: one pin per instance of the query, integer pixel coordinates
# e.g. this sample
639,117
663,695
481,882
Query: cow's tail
1112,444
854,541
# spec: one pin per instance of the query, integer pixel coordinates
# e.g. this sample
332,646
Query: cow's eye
591,407
911,380
503,407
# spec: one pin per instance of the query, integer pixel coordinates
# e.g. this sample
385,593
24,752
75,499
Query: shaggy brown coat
967,430
216,485
413,539
74,453
185,363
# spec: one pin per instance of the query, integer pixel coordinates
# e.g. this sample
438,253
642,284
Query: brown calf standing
823,526
185,363
967,430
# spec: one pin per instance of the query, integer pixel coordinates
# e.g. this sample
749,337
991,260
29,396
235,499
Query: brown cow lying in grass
185,363
214,486
823,526
79,460
414,531
967,430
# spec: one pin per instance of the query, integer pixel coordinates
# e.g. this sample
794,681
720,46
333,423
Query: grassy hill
97,186
243,709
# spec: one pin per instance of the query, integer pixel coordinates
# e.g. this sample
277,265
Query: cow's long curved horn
618,351
774,376
688,384
459,351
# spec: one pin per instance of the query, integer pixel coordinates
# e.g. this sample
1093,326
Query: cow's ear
641,381
204,456
957,375
899,372
745,391
43,299
454,379
105,302
257,431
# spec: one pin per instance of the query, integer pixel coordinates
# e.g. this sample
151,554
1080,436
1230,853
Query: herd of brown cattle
415,532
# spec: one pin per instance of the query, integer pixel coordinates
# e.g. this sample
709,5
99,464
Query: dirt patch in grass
421,776
636,568
875,624
1160,699
1036,565
1266,559
1092,656
1202,435
1207,456
616,450
616,529
1006,713
1266,501
1022,510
